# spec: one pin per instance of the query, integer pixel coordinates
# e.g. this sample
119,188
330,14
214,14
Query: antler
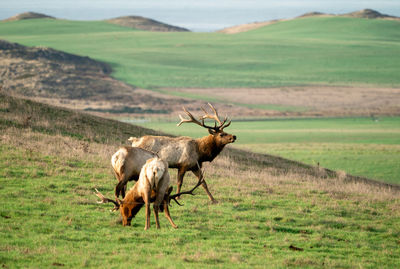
105,200
201,180
214,117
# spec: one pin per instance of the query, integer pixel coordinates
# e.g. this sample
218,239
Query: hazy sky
200,15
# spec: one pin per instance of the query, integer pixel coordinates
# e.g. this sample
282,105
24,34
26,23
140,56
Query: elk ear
212,131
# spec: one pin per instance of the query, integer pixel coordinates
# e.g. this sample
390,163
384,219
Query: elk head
128,209
221,138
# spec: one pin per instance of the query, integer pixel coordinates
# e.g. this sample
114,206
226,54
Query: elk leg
146,200
167,215
123,191
156,205
155,209
120,188
197,173
181,174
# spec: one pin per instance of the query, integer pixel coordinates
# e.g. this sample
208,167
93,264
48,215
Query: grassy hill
294,217
304,51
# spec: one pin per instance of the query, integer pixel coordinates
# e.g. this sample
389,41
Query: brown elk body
127,163
185,153
152,186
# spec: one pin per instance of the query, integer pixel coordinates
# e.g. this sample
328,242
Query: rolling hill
336,51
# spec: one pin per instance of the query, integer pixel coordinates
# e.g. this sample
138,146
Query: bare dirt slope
145,24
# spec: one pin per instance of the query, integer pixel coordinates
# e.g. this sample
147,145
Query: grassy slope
49,216
337,51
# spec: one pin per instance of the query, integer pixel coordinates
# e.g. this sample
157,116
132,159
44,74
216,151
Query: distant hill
145,24
369,14
28,16
46,72
365,13
136,22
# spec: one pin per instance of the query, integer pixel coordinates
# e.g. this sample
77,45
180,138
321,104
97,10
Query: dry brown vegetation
311,100
227,170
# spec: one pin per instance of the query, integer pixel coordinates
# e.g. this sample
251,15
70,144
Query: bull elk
184,153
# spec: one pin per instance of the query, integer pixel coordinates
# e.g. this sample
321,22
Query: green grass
50,218
359,146
334,51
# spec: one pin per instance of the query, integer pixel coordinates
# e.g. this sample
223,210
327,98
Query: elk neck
133,195
208,148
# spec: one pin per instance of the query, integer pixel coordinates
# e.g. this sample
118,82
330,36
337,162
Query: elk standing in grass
185,153
152,186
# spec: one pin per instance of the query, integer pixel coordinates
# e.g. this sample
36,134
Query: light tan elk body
185,153
127,163
152,186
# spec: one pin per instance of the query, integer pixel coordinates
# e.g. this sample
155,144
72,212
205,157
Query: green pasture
50,218
359,146
329,51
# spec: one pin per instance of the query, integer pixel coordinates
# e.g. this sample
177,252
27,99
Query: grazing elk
184,153
152,186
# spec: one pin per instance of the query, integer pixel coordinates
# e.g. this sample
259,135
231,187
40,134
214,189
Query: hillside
333,51
28,16
21,113
364,14
145,24
269,208
57,77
